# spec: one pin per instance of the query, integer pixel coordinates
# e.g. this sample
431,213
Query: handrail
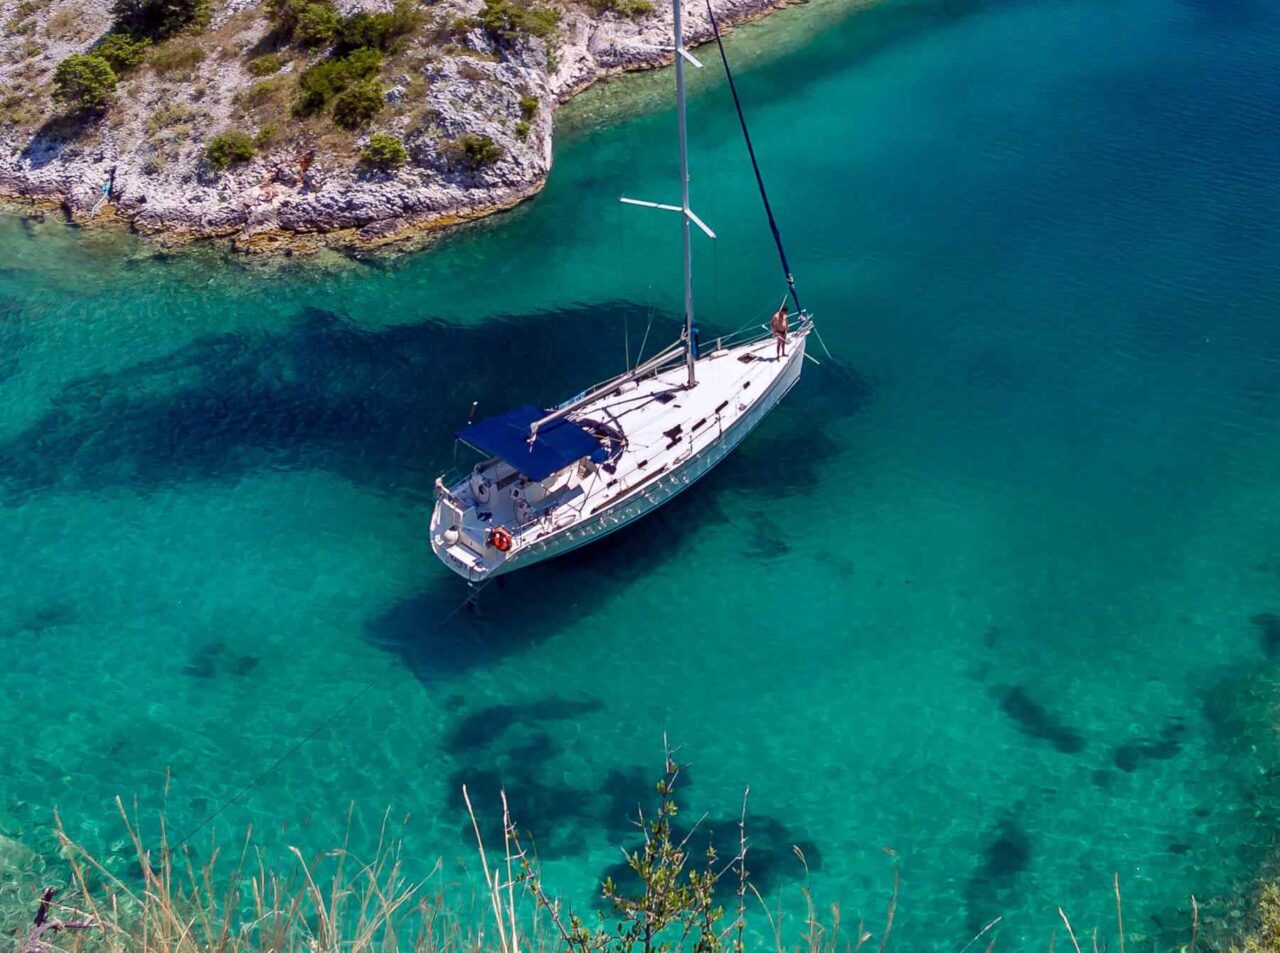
804,319
594,393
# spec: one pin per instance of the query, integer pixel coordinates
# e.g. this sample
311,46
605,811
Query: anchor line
755,166
320,726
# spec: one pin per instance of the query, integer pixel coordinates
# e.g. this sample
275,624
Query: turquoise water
990,590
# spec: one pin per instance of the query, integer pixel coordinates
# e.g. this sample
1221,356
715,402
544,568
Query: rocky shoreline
126,168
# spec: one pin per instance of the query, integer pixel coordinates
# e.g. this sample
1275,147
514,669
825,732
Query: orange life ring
500,539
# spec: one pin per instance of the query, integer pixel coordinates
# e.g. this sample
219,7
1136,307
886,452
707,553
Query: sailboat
555,479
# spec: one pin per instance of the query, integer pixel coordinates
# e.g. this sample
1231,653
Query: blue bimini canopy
506,437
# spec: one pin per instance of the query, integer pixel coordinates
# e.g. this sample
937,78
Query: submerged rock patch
1036,720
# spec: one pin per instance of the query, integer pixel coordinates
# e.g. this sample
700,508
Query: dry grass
178,59
168,117
268,104
71,25
237,903
19,110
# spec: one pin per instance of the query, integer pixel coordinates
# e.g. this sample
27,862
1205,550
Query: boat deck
665,425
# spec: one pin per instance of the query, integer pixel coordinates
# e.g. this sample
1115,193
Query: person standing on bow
778,325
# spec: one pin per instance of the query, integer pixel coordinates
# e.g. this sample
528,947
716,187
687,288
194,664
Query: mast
684,193
686,214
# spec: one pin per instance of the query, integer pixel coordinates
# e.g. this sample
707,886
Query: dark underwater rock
1036,720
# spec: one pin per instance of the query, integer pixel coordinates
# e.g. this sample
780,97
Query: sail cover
506,436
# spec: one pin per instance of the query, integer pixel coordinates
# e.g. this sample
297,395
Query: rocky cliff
144,156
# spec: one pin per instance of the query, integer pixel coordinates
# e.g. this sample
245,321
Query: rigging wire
645,339
755,167
626,305
320,726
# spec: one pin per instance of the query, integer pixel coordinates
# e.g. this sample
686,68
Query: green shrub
379,31
121,51
159,18
473,152
634,9
357,104
507,21
227,148
384,151
177,59
361,63
284,16
266,65
528,106
319,83
316,84
267,136
84,81
522,129
318,25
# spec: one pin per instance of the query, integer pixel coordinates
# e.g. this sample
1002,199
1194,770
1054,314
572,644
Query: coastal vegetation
228,148
509,21
317,24
473,152
384,152
178,60
265,65
356,105
131,94
343,83
347,78
158,19
632,9
122,51
84,81
320,83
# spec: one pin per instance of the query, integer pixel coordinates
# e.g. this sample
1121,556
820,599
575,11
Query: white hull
647,499
724,411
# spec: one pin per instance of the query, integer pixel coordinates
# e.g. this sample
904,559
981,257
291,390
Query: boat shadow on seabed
375,407
784,457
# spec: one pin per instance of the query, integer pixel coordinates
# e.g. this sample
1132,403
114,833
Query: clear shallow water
984,599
